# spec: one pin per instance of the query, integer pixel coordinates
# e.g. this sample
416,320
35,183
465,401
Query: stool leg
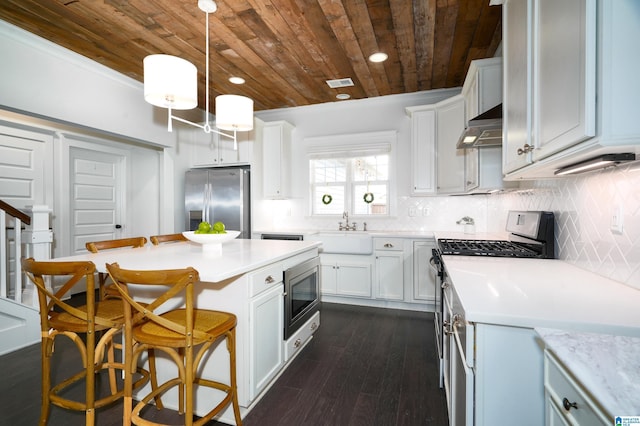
46,347
231,346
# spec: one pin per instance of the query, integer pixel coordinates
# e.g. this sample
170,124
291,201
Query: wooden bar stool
80,324
167,238
96,246
183,334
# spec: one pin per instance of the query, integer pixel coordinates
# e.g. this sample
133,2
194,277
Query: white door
96,195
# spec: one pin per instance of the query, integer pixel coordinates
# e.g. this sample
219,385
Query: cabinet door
564,74
423,124
266,334
424,279
450,161
389,275
517,18
227,150
328,283
275,154
353,279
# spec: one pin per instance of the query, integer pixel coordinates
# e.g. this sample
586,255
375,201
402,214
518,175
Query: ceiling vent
340,82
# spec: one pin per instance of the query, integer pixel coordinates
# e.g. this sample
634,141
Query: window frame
351,146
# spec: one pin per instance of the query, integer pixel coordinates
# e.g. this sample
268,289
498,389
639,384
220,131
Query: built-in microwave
301,294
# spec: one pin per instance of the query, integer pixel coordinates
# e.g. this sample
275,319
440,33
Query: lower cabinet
398,274
389,275
345,275
566,402
424,278
266,334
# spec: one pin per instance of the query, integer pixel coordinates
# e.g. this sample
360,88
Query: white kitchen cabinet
423,282
482,90
266,334
276,156
559,58
345,275
389,275
566,401
450,167
517,24
423,146
211,150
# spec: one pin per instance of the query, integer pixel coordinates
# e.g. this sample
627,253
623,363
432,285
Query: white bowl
206,239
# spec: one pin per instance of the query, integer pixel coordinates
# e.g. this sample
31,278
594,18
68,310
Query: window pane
379,205
328,170
336,204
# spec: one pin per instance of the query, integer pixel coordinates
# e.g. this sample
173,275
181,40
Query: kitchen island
245,279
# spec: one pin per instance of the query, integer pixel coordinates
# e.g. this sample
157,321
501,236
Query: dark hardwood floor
365,366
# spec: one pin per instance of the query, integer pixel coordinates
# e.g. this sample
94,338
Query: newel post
37,240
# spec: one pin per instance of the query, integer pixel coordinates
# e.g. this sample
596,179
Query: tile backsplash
583,206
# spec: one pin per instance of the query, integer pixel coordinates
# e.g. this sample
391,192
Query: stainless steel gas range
531,235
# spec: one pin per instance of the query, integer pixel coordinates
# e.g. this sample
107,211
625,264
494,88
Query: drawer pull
314,326
388,245
269,280
569,405
297,343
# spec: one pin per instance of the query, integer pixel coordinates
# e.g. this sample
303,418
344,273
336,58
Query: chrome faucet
346,227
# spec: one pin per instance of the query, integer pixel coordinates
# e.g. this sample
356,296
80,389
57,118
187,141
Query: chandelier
171,82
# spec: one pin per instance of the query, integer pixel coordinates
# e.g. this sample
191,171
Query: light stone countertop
547,293
237,257
607,366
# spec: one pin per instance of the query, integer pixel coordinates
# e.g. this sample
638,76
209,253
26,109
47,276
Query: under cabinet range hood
483,130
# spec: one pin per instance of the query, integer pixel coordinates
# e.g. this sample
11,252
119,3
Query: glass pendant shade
170,82
234,112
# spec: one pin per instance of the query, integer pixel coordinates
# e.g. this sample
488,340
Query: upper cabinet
276,156
569,94
450,169
423,145
212,150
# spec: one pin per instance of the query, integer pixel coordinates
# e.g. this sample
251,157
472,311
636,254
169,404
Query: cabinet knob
569,405
525,149
297,343
314,326
269,280
388,245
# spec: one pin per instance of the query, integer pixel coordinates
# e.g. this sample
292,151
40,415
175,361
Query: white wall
339,118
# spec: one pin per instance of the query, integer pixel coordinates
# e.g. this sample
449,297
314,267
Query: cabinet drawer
396,244
300,338
265,278
559,386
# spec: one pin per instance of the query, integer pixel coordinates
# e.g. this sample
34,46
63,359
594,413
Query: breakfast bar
246,279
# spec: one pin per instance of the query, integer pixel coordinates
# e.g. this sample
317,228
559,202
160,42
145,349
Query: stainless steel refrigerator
221,194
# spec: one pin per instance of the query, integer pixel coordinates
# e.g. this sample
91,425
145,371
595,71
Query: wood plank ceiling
284,49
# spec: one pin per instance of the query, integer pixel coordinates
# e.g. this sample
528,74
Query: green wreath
326,199
368,197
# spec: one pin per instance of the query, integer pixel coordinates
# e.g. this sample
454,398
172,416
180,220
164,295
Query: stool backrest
178,282
134,242
167,238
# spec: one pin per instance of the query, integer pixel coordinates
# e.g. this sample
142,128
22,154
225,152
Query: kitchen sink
344,242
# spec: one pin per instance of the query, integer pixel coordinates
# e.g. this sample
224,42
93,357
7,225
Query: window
359,185
351,173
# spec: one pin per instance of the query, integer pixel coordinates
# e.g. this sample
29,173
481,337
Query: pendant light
171,82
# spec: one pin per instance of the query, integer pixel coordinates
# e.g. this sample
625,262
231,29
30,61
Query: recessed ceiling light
236,80
378,57
343,96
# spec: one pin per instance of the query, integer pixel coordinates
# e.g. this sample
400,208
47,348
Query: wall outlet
617,220
426,211
412,211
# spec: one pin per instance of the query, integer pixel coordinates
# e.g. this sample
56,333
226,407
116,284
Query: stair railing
36,241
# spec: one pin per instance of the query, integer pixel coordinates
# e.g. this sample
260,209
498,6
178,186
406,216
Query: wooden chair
58,318
183,334
96,246
167,238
